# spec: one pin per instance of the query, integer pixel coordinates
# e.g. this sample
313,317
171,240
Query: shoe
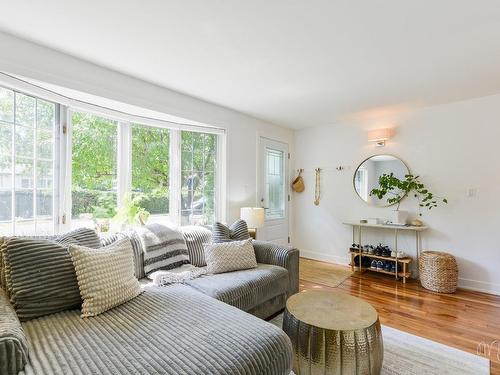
393,268
374,264
387,266
380,265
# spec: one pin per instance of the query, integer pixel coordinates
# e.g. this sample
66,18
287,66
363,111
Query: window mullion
65,131
175,176
124,160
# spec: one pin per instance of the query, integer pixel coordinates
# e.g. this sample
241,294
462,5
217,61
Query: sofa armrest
286,257
13,342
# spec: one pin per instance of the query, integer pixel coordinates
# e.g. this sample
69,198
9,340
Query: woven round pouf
438,271
333,333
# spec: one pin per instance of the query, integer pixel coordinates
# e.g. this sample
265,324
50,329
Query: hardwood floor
462,320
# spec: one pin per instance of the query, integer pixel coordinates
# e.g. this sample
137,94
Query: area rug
406,354
328,274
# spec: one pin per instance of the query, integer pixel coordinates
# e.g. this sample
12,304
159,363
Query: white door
273,191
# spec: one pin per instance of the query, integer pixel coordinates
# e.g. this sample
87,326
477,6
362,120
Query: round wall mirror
368,172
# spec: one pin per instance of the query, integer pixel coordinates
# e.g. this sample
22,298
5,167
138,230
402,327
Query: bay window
27,164
151,169
62,167
93,169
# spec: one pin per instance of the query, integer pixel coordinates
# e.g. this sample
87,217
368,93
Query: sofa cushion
195,236
238,231
13,343
166,330
82,236
244,289
38,274
229,256
132,235
164,248
40,277
105,276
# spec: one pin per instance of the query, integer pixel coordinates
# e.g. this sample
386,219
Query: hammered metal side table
333,333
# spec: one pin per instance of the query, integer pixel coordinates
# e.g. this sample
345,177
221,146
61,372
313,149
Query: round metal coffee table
333,333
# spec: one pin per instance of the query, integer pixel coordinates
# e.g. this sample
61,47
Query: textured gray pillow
230,256
105,276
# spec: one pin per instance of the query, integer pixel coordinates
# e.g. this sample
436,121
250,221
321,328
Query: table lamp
254,217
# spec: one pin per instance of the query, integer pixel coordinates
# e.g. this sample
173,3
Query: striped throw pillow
105,276
195,237
38,274
238,231
40,277
164,248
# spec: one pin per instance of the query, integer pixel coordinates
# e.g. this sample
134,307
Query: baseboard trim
479,286
325,257
475,285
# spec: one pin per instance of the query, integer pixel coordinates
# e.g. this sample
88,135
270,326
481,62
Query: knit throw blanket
178,275
166,259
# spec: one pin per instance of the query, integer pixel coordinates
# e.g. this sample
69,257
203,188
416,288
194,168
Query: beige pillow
105,276
229,256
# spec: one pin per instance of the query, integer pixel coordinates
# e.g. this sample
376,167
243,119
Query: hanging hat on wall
298,183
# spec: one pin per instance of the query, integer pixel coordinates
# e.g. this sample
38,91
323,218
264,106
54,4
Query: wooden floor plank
462,320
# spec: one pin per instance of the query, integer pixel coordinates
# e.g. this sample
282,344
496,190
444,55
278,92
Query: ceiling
295,63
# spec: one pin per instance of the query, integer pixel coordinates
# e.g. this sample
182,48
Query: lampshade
379,135
254,216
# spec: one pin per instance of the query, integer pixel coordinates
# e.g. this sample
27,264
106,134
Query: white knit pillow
229,256
105,276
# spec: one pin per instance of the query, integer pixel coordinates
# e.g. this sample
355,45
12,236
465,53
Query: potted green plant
397,189
130,212
103,212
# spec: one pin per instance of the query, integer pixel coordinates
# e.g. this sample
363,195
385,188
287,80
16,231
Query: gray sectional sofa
209,325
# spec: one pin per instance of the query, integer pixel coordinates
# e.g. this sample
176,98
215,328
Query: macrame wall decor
317,192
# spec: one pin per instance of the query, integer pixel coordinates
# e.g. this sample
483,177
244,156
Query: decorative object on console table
438,271
333,333
402,263
398,189
254,217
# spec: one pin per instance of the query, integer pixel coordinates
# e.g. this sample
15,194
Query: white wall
30,60
453,147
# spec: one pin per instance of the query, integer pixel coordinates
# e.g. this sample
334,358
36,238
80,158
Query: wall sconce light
379,136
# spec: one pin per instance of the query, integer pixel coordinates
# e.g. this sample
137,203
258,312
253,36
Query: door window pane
275,184
93,169
150,169
198,160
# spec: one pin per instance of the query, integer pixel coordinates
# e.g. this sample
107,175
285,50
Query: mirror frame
360,164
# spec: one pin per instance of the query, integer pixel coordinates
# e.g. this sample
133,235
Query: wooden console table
403,261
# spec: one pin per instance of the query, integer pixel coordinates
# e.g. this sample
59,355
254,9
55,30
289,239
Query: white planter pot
399,217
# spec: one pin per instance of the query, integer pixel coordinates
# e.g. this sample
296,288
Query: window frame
55,190
65,106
